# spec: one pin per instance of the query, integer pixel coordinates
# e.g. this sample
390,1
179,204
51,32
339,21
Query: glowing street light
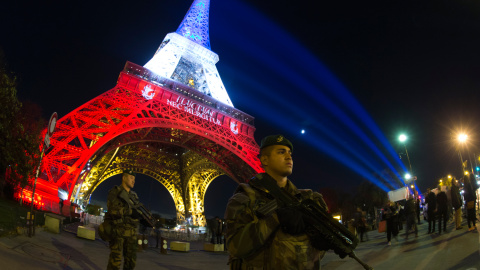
462,137
408,176
402,138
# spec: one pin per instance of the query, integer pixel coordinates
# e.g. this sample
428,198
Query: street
450,250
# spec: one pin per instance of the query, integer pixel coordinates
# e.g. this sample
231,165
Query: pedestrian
417,208
61,206
271,239
449,204
442,210
431,201
360,223
400,216
125,224
219,232
410,215
470,198
390,214
457,203
213,229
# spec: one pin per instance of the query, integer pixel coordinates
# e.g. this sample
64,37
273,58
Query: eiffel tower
171,120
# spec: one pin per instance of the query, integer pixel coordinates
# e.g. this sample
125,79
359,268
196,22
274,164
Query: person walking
272,239
125,224
390,214
470,198
457,203
431,201
417,208
411,216
442,204
360,223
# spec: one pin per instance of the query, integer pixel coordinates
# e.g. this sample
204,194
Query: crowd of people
441,205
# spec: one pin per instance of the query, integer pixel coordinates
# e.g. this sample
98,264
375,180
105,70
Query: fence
182,236
92,219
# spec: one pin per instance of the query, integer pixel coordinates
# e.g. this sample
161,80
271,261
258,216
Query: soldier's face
129,180
279,162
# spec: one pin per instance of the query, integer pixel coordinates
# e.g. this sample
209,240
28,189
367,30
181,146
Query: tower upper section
195,24
185,55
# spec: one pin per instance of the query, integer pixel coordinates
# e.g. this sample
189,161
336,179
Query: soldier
274,240
124,224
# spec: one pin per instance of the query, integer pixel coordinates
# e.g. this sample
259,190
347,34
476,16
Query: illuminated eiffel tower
171,120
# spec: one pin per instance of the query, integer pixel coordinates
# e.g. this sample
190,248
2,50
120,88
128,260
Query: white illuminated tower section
185,55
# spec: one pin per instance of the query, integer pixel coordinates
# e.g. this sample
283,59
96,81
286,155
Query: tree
93,209
20,128
369,195
330,197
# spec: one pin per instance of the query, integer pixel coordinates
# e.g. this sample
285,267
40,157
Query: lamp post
403,138
462,139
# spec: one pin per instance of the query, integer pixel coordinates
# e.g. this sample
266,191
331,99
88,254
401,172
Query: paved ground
450,250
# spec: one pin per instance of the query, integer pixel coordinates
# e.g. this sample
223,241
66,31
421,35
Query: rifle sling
271,186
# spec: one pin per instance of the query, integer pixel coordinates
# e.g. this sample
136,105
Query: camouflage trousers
126,245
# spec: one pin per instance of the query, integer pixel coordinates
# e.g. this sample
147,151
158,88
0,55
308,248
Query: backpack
105,230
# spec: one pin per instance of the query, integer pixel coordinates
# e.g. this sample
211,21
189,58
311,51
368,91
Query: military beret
130,172
275,140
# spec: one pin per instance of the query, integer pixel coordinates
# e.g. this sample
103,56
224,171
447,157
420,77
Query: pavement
452,250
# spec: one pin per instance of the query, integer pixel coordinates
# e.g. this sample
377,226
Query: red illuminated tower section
159,126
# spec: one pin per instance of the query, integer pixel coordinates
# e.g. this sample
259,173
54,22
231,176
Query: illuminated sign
234,127
195,109
147,92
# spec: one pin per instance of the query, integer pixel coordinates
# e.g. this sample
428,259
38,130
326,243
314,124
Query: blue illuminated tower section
185,55
195,24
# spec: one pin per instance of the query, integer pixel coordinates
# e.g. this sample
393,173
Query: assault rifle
145,215
323,230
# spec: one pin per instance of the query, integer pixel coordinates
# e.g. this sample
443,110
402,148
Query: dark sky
413,66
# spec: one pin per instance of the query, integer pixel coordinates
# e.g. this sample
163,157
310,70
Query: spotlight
303,131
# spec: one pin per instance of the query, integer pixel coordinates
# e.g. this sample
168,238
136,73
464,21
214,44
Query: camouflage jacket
257,242
119,212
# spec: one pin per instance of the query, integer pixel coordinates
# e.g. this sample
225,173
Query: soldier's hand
291,220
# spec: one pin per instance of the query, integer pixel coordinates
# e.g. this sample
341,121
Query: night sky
413,66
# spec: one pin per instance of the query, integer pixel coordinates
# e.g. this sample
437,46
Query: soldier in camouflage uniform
275,240
124,224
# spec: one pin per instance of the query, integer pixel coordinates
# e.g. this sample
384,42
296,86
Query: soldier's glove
291,220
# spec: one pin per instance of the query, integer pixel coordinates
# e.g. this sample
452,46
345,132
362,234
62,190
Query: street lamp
462,139
403,138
